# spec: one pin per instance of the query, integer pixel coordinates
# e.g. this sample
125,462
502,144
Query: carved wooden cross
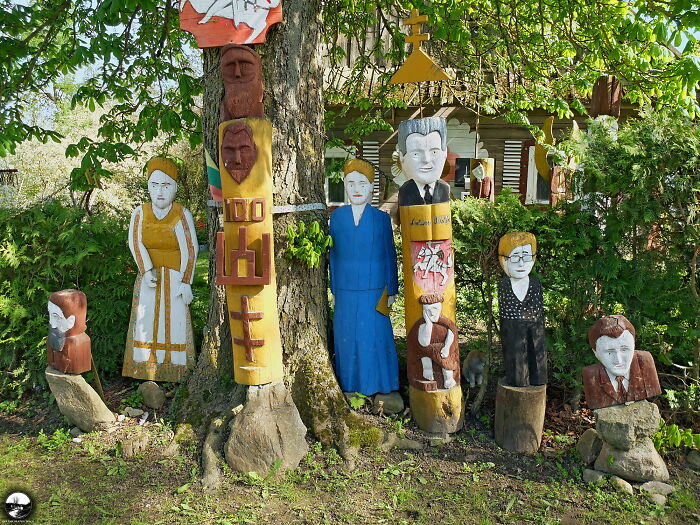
245,315
415,21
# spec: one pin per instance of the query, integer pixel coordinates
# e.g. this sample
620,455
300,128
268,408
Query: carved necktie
427,197
621,392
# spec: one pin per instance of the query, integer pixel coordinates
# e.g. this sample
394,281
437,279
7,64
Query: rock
593,476
77,440
642,463
153,395
134,444
438,439
133,412
589,446
394,441
693,459
121,417
622,426
659,499
657,487
621,485
389,403
266,430
77,400
76,432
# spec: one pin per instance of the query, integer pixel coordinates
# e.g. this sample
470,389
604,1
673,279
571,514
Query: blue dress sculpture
364,280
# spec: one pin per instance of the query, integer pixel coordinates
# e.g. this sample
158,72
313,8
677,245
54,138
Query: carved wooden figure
243,83
428,265
481,181
68,346
364,281
215,23
521,395
623,374
245,262
162,239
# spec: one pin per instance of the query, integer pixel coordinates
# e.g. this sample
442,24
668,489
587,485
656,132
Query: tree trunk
292,69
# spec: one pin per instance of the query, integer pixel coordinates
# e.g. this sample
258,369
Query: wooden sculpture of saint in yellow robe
163,242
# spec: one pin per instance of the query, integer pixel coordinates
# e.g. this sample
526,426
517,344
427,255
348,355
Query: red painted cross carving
245,315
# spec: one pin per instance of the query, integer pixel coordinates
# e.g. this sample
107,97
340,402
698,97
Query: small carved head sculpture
612,339
67,316
422,147
359,176
432,306
243,85
162,181
238,150
516,254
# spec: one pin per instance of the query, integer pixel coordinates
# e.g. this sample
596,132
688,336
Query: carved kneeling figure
437,349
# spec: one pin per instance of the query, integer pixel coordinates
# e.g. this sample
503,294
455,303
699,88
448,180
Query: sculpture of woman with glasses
521,312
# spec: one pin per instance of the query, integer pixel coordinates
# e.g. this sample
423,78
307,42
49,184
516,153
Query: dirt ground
468,480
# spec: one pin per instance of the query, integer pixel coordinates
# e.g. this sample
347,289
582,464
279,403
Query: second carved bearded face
238,150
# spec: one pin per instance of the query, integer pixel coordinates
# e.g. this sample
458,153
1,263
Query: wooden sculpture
623,374
68,346
215,23
428,265
245,262
521,395
364,281
481,181
162,239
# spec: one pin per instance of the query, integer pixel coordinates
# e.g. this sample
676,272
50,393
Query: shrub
50,248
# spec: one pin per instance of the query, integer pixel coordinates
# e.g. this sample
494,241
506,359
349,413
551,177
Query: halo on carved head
431,298
163,164
512,240
612,326
361,166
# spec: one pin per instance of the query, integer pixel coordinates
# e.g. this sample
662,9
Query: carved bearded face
238,150
616,353
357,187
162,189
243,87
424,157
516,266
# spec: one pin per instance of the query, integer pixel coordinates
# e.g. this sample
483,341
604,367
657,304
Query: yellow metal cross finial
415,21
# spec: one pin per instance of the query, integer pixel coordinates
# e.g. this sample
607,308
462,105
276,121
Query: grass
89,483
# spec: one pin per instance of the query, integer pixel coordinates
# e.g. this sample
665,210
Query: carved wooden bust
68,346
243,85
238,150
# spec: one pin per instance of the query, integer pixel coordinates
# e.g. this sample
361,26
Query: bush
50,248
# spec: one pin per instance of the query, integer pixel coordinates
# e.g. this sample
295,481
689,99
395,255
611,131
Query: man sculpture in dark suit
422,153
623,374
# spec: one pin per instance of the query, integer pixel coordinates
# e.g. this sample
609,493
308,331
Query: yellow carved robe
159,343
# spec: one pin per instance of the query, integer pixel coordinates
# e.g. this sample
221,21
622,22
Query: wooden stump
520,417
439,411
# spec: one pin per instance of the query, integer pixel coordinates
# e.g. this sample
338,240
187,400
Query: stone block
657,487
593,476
589,446
153,395
620,484
642,463
390,403
267,429
622,426
77,400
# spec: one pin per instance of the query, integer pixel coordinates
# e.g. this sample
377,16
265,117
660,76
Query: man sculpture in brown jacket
623,374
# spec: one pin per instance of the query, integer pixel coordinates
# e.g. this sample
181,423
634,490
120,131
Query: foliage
511,57
357,400
628,247
135,400
50,248
307,244
51,443
686,401
671,436
133,55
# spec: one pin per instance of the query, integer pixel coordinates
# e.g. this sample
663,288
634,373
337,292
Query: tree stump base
439,411
520,417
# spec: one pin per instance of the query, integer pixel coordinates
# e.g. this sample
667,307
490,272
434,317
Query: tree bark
292,69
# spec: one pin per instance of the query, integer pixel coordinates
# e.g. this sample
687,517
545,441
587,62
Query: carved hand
151,277
185,291
445,352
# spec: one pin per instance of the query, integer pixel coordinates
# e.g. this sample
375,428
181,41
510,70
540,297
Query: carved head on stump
243,84
422,145
238,150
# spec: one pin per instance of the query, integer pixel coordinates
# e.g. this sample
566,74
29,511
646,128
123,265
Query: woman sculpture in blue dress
364,281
